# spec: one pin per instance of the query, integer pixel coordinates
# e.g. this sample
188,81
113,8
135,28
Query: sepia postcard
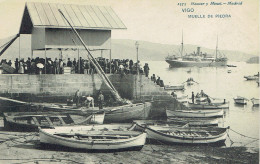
129,81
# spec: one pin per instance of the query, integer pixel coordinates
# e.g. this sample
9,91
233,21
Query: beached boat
255,101
124,113
195,121
208,106
30,121
142,124
174,87
94,137
207,135
240,100
127,113
195,113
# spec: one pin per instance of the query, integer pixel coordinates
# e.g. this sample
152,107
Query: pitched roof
80,16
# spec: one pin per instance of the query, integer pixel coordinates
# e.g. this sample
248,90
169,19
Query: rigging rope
95,63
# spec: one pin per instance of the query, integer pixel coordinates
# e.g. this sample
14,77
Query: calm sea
218,83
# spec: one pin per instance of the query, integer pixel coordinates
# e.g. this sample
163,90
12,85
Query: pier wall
56,87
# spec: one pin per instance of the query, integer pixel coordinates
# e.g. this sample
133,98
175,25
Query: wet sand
22,147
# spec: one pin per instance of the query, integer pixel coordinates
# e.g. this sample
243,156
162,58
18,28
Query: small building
50,31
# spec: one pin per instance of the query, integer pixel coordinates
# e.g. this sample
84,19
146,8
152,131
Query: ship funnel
198,51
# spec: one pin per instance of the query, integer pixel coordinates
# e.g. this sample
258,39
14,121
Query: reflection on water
218,83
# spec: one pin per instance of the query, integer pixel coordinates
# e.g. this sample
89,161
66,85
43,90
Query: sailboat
127,111
197,59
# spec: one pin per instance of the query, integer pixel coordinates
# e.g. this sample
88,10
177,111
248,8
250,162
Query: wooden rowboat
187,135
30,121
195,113
195,121
127,113
208,106
240,100
124,113
142,124
94,137
174,87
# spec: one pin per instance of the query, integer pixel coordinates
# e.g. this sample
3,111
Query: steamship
197,59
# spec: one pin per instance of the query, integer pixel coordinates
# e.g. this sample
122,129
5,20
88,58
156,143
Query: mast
217,48
182,44
96,65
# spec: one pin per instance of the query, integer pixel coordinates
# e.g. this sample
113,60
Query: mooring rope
244,135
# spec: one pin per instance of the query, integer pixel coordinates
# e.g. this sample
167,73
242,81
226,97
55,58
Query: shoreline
25,147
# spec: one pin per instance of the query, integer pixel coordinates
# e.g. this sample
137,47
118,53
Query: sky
162,21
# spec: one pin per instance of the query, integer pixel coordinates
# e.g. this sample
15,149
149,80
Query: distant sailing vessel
198,59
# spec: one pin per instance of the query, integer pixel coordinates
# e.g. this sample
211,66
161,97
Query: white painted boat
255,101
94,137
195,121
195,113
187,135
240,100
174,87
208,106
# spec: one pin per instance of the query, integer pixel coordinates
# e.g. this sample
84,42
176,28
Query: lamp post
137,65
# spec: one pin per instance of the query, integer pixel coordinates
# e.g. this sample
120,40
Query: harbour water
218,83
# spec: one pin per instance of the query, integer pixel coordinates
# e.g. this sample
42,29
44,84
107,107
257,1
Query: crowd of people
81,66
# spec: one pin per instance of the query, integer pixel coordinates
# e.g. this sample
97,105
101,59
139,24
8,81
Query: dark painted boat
30,121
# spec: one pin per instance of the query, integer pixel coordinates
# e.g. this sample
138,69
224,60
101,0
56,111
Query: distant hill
122,49
155,51
254,59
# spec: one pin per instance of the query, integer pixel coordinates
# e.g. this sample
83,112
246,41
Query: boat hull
240,101
167,87
209,106
128,113
153,133
30,121
178,63
47,137
197,113
196,122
